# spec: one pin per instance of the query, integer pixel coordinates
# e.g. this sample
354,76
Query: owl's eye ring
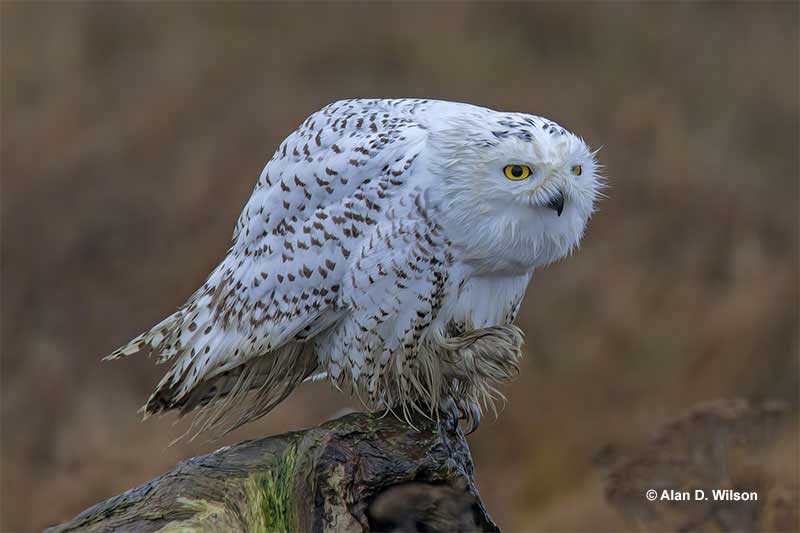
517,172
577,170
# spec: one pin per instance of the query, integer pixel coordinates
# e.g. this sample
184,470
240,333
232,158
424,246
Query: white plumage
387,244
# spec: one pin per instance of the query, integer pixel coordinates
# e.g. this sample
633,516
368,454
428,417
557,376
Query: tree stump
361,472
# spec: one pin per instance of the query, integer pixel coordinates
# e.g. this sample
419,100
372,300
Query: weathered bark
360,472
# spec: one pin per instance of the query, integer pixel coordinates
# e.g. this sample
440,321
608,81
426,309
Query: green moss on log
269,495
208,517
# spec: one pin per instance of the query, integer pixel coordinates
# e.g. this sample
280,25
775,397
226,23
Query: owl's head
523,180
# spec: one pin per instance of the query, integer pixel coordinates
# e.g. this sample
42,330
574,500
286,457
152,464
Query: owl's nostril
557,203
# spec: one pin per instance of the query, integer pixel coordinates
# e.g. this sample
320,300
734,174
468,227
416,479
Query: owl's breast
483,301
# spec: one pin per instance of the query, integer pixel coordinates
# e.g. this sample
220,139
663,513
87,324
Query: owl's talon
451,413
473,417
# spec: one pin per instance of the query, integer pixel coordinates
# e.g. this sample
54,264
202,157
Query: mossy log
360,472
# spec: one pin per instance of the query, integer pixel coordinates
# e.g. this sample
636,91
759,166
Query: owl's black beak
557,203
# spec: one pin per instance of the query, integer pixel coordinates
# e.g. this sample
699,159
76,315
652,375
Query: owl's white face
523,187
554,175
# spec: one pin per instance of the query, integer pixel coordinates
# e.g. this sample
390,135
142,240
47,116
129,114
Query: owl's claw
451,413
473,417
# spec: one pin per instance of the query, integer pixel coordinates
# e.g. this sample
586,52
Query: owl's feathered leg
475,362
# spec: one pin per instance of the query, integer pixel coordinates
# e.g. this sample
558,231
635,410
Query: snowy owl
386,247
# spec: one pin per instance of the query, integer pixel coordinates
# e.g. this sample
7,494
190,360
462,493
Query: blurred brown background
133,134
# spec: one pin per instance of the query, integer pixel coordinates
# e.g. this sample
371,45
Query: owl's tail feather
152,338
211,376
236,396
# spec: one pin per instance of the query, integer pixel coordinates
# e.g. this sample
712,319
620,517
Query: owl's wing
327,185
393,291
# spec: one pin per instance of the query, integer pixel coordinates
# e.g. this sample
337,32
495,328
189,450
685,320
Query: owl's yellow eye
517,172
577,170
